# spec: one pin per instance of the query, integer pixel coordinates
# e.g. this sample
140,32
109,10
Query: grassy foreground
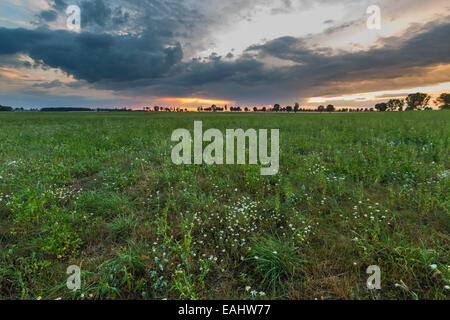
100,191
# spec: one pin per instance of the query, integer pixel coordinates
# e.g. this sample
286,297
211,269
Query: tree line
413,102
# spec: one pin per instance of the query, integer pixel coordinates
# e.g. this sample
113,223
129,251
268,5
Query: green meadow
100,191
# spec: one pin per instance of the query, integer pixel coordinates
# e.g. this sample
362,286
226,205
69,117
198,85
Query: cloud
97,12
95,57
48,15
49,85
151,64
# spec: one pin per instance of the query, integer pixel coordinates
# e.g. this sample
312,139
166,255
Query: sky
135,53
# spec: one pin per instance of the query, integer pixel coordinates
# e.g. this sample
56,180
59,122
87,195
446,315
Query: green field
99,190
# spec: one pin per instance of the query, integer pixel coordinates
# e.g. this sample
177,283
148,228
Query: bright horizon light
376,95
197,101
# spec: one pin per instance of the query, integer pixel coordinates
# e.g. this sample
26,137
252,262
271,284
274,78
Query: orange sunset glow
381,94
196,101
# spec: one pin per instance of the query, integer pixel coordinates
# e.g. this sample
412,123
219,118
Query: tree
296,107
289,109
444,101
382,107
156,109
321,108
276,107
5,108
330,108
417,101
395,104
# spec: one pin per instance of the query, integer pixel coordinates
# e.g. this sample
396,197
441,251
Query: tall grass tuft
275,259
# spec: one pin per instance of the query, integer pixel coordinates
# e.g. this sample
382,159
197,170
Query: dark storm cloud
49,15
316,70
98,12
95,12
427,48
59,5
137,15
192,22
395,59
95,57
149,64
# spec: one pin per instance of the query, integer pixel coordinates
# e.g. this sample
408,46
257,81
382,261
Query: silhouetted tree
276,107
417,101
396,104
321,108
6,108
382,107
444,101
330,108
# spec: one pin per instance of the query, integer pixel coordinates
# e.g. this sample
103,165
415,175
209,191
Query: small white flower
247,288
262,294
447,287
433,267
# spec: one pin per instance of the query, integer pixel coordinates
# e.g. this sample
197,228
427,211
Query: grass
99,190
